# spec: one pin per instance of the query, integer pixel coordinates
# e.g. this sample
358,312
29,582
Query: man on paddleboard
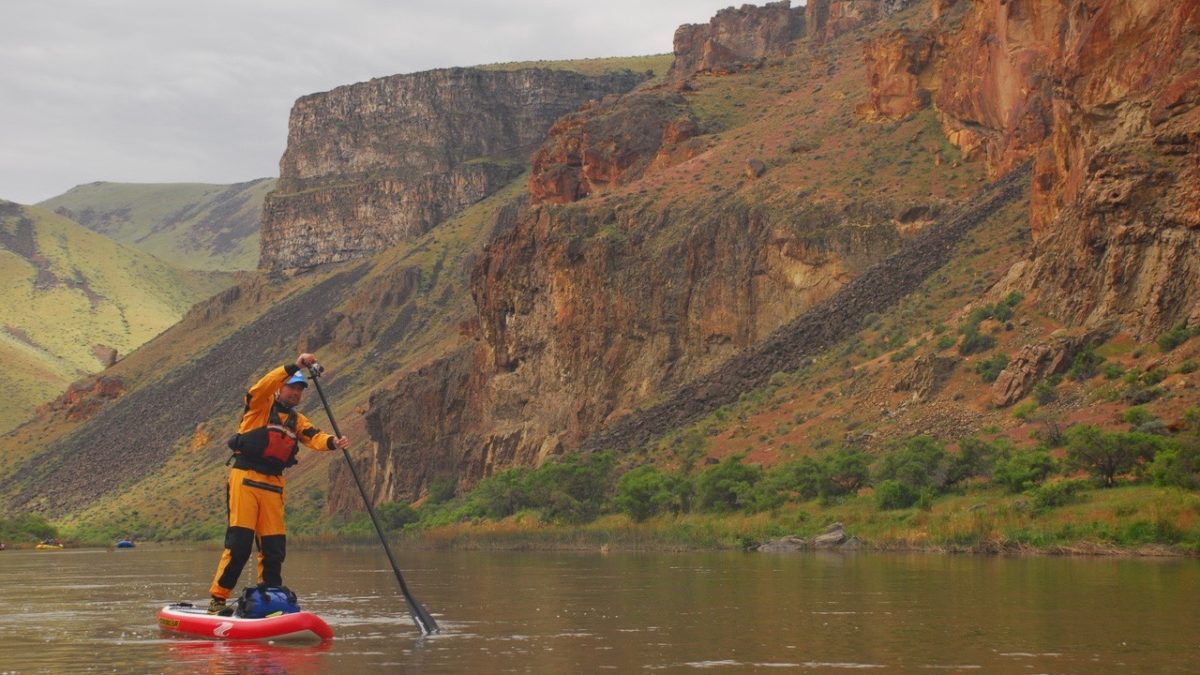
266,443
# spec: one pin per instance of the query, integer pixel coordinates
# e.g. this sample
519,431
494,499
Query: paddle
422,618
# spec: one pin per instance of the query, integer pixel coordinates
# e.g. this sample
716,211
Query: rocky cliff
735,38
376,163
1104,95
581,323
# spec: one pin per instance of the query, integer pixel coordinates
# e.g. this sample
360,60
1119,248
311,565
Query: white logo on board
223,629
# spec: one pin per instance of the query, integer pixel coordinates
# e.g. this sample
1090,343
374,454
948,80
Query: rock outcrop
376,163
736,38
1104,95
610,142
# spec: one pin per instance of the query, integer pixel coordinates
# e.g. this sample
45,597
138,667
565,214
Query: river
552,612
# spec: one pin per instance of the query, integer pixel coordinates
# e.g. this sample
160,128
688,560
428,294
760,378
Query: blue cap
298,378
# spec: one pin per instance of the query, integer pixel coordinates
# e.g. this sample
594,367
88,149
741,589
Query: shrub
1177,464
573,489
395,515
1086,365
1059,493
1044,392
502,494
920,462
893,494
974,342
1137,415
1155,376
975,457
1111,371
645,492
1024,469
1024,410
727,486
1188,367
441,490
989,369
945,342
26,527
1175,337
800,479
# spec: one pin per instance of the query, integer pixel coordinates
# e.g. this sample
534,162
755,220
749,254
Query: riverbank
1126,521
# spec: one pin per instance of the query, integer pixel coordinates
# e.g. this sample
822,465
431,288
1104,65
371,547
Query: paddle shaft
422,618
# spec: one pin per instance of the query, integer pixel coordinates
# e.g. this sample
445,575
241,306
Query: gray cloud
175,91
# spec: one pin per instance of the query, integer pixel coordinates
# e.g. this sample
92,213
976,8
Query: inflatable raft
191,620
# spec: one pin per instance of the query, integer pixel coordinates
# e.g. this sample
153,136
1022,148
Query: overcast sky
156,91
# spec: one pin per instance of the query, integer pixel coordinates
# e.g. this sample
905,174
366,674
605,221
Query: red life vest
269,449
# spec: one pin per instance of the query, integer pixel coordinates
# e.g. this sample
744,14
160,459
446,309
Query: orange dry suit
267,442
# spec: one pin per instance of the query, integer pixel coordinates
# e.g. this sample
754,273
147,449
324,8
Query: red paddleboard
190,620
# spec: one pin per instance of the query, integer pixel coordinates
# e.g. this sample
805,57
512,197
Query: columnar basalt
376,163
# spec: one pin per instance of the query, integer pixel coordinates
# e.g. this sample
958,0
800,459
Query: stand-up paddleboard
191,620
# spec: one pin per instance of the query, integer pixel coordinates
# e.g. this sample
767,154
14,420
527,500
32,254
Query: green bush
989,369
1086,365
919,462
1188,367
1044,392
441,490
1175,337
1021,470
975,457
1024,410
502,494
893,494
1177,464
727,485
1137,415
1053,495
395,515
646,491
1111,371
974,342
574,489
26,527
945,342
801,480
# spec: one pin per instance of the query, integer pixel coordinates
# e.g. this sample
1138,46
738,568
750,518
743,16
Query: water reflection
557,612
238,658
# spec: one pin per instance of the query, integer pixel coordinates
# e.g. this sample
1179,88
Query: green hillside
190,225
68,296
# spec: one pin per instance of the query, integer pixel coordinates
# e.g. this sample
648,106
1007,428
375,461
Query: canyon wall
376,163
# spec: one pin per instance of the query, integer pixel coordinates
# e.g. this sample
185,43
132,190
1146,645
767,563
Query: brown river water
551,612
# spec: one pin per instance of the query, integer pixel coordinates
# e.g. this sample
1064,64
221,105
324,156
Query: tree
1106,455
846,471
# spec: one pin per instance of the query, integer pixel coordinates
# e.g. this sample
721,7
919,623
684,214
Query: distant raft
125,543
188,619
48,547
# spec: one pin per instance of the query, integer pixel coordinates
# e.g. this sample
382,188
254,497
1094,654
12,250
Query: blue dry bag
257,602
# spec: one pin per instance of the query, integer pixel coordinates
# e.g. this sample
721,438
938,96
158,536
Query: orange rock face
610,142
895,62
736,37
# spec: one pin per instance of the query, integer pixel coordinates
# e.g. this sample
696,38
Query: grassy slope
191,225
71,289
